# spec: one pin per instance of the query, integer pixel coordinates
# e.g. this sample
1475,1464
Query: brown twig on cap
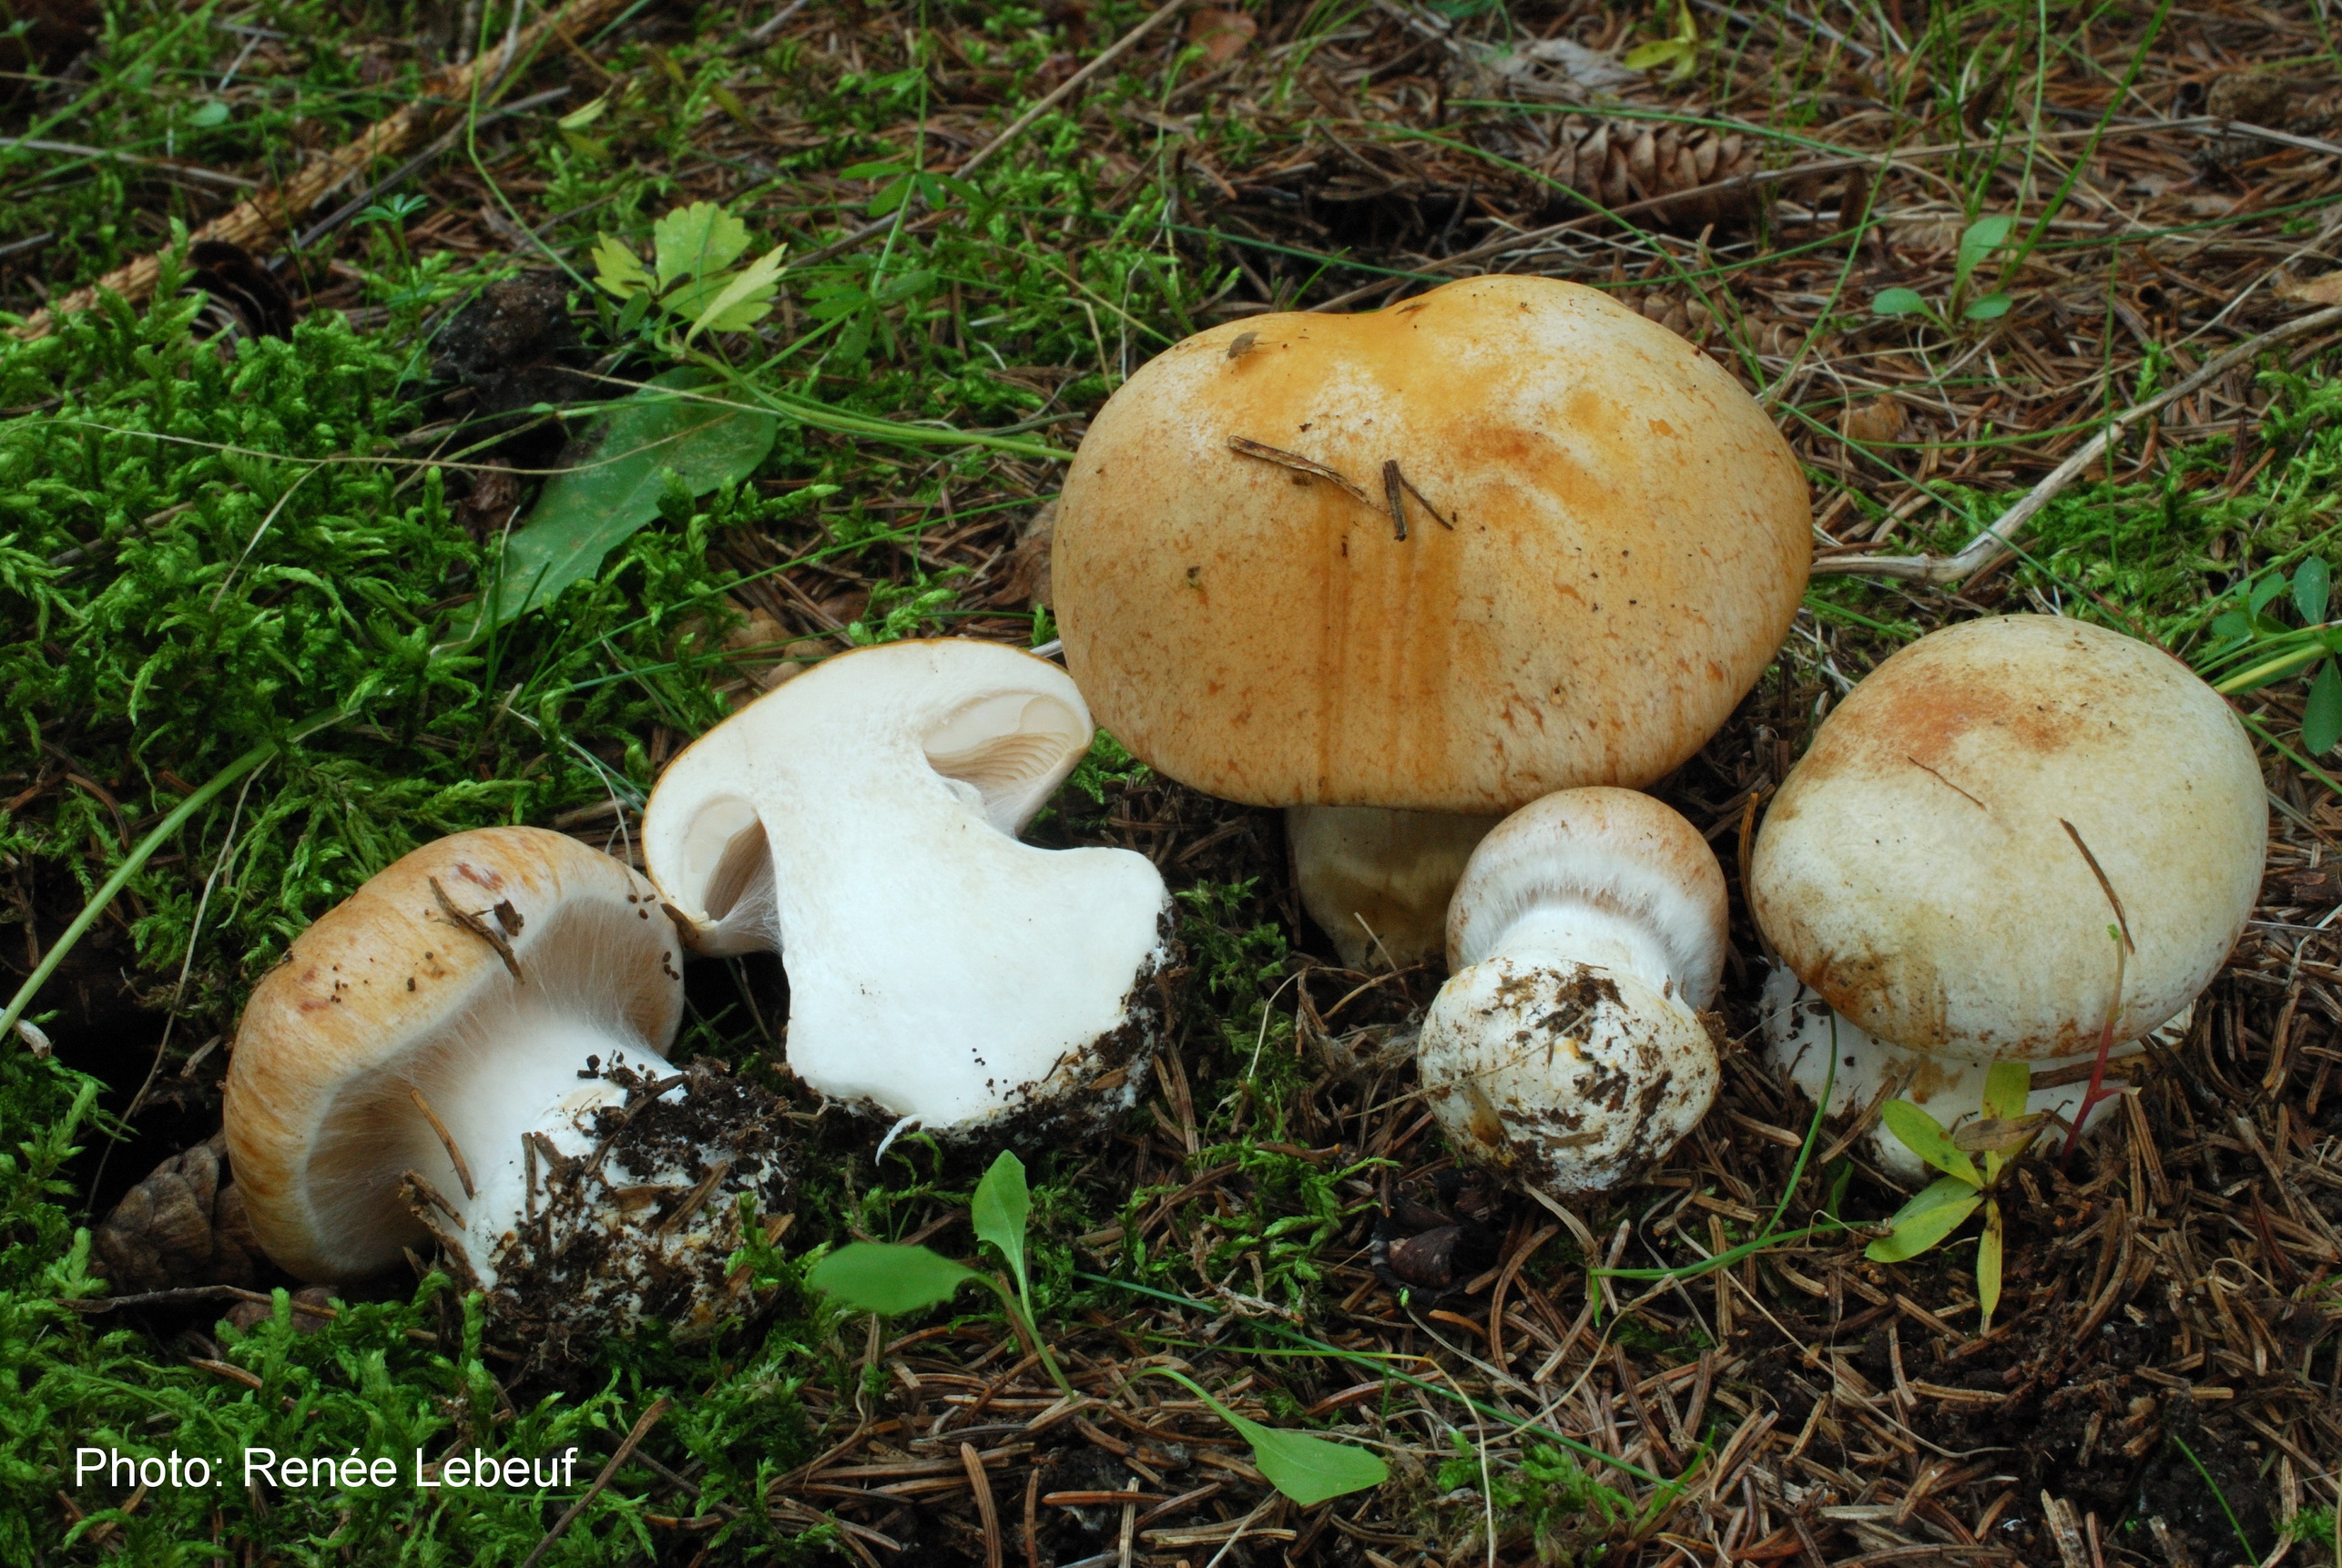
635,1435
1244,447
1965,794
478,928
1395,484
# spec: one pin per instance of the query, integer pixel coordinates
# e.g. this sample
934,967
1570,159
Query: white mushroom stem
1801,1029
940,971
1568,1049
543,1081
1378,881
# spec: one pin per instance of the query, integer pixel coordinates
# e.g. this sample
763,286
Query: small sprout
1939,1208
892,1280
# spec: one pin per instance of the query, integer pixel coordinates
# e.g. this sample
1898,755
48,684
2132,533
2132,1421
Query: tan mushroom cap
1629,546
383,993
1916,870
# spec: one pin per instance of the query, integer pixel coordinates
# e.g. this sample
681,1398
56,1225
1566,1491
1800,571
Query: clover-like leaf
617,268
696,242
887,1278
743,300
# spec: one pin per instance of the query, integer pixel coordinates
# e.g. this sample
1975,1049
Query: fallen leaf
1221,34
2324,290
1869,423
585,511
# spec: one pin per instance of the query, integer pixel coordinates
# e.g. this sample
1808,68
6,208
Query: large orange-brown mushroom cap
1629,546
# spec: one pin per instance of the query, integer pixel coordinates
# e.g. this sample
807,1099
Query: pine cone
184,1224
1614,163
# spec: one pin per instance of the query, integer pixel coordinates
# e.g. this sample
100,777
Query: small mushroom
1567,1048
466,1049
1504,538
940,971
2005,817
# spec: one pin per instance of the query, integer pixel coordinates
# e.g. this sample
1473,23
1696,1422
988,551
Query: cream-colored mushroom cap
387,994
1923,867
1620,543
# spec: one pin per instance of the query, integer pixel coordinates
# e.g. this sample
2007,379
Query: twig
446,1138
478,928
640,1430
986,1509
1995,544
1244,446
255,222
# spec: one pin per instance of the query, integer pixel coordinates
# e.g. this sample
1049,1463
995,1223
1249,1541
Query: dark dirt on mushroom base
599,1259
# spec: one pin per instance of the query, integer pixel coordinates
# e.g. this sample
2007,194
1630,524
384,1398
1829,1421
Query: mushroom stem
1568,1047
1570,932
1801,1029
546,1082
1376,881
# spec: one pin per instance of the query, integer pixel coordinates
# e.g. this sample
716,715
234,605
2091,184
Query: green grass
264,538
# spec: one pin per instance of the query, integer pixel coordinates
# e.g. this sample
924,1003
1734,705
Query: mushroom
1567,1047
454,1050
1940,872
940,971
1505,538
1378,881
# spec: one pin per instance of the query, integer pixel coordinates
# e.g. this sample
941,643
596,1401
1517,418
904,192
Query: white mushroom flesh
941,972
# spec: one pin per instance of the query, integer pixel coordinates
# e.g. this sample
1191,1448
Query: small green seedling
693,248
890,1279
1977,241
1678,50
1939,1208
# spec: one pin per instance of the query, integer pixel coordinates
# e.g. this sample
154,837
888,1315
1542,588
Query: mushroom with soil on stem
1425,563
2021,837
471,1048
1567,1048
861,822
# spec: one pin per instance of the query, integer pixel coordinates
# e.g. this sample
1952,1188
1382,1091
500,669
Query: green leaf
1991,308
1988,1265
2321,717
745,298
1924,1136
1309,1469
1002,1208
880,170
579,119
1900,302
585,512
2265,591
1977,241
888,1279
696,240
618,269
2007,1086
1659,52
2313,583
1934,1212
